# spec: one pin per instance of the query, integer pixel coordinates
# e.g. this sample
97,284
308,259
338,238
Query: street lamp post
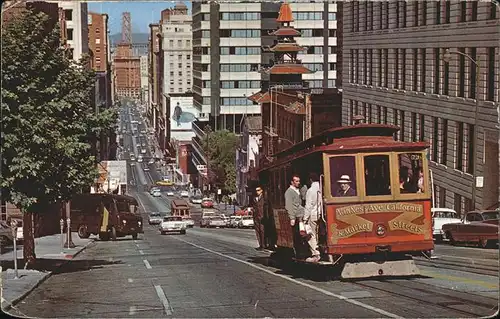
447,59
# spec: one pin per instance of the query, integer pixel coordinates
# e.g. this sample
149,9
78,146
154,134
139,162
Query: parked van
106,215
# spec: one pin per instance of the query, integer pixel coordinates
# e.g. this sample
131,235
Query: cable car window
411,173
377,175
343,176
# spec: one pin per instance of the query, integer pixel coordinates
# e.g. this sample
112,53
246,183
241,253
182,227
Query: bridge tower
126,28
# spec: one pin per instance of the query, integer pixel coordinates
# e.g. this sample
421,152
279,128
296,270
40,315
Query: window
438,12
403,126
463,11
352,61
415,69
188,57
370,56
381,14
395,114
396,68
471,149
70,33
421,129
474,10
444,141
351,111
332,16
447,10
493,11
461,73
377,175
68,14
403,69
411,173
356,80
473,74
435,139
424,12
365,66
343,176
490,90
398,3
416,14
379,114
385,114
379,67
179,43
446,80
437,76
422,71
404,13
205,33
413,126
460,146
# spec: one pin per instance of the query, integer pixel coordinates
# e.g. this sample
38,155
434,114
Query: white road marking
130,280
323,291
164,300
148,266
132,310
140,202
141,252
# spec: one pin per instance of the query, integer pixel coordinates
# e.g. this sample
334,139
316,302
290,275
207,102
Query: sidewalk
50,257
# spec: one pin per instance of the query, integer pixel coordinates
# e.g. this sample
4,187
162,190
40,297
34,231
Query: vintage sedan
173,224
441,216
479,227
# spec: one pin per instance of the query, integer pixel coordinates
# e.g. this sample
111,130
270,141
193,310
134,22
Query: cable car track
475,268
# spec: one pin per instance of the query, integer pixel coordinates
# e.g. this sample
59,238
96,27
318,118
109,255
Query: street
218,273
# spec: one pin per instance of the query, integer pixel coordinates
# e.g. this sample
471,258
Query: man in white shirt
311,215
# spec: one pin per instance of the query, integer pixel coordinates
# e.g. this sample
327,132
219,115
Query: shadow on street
60,266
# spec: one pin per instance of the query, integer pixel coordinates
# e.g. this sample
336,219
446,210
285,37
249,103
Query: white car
143,151
184,194
196,200
441,216
170,193
173,224
217,222
151,161
189,222
246,222
157,193
139,160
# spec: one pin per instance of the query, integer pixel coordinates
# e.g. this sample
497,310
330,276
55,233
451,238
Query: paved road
218,273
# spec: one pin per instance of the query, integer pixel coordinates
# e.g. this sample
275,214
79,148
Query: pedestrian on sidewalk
259,208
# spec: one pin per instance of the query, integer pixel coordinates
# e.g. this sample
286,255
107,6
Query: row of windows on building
369,16
372,67
258,50
331,83
254,67
180,66
416,123
231,16
180,44
258,33
246,84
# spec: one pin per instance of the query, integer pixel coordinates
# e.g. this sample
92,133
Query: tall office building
227,54
177,49
415,65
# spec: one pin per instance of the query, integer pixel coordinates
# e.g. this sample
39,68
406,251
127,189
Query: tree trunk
29,240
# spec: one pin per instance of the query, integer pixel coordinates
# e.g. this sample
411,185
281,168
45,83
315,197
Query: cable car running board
321,262
366,269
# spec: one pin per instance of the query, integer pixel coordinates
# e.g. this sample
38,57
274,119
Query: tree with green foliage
47,120
220,151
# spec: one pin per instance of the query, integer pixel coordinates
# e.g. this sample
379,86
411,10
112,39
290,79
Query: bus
376,227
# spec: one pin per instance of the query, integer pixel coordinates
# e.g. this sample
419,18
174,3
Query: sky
142,13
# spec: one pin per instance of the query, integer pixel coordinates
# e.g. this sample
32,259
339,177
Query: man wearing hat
345,189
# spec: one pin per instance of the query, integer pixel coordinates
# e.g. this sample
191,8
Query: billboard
182,113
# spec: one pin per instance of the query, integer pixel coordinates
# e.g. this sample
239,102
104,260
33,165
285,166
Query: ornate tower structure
126,28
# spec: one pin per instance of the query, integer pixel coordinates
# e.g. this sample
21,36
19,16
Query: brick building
127,69
412,64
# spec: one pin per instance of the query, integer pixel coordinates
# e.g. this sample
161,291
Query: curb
41,281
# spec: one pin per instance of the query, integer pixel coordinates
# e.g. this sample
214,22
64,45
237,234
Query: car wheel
113,233
183,232
162,232
134,236
450,238
83,231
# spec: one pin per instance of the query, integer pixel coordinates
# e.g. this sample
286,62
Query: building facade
413,64
177,49
224,77
127,68
144,78
77,32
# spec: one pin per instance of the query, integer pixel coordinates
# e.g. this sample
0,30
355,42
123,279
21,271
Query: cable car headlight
380,230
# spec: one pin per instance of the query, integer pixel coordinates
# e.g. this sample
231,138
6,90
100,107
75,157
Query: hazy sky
142,13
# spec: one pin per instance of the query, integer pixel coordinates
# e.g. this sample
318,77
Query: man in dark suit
259,212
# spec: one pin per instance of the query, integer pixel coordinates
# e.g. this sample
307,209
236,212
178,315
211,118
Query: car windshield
440,214
172,219
154,214
491,215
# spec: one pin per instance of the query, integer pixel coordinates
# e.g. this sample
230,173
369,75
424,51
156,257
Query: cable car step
321,262
366,269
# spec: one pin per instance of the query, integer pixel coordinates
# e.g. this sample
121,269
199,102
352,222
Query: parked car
170,193
196,199
157,193
155,218
479,227
234,221
207,203
441,216
189,222
154,189
184,194
217,222
173,224
206,215
246,222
